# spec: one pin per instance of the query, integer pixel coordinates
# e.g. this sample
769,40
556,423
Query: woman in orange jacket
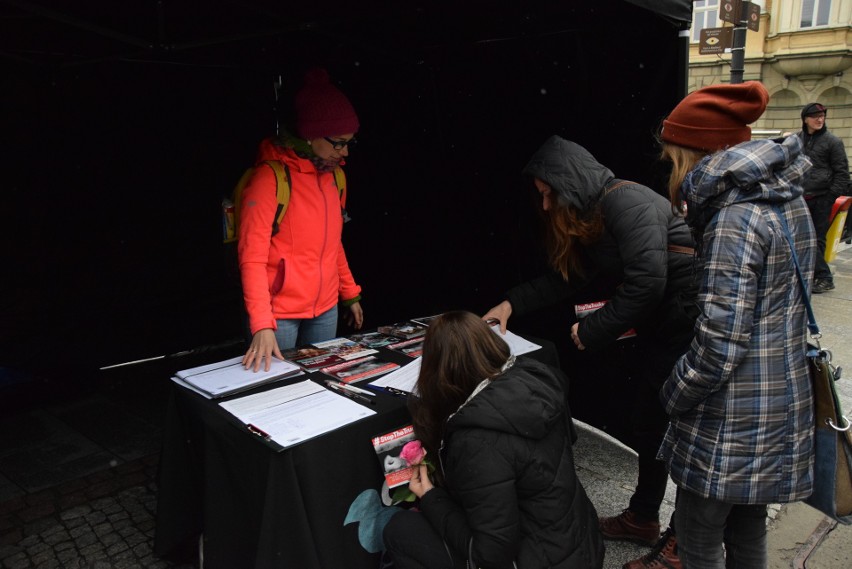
293,275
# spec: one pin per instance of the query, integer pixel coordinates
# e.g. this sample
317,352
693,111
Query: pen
349,387
257,431
350,394
391,390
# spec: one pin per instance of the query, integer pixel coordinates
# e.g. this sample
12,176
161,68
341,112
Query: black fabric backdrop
131,121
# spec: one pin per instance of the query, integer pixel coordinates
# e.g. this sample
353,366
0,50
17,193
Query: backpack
282,183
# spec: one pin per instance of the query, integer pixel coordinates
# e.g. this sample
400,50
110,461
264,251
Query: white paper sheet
229,376
403,379
517,345
295,413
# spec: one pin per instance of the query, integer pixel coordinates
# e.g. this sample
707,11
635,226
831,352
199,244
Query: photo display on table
411,348
356,370
403,330
374,339
324,354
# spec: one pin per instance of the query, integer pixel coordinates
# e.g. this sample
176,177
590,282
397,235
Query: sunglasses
341,144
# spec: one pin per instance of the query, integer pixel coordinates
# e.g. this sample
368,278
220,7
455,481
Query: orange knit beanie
716,117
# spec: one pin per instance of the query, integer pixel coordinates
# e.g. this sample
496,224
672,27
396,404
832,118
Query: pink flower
413,453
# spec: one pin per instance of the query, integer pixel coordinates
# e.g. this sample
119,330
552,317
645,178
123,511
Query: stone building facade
802,53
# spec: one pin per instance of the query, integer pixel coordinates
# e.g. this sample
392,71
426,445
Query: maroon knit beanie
322,109
716,117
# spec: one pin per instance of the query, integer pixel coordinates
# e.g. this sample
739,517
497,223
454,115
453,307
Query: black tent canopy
133,119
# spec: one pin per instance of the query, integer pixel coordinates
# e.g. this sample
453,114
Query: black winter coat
830,171
511,486
658,287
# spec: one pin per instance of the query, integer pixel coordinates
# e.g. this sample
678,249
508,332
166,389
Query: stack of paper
223,378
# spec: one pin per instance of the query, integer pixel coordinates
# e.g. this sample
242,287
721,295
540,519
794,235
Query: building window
705,14
815,13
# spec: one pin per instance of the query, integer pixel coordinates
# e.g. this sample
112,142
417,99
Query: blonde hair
683,160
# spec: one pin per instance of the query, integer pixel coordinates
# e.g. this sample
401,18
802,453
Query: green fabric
351,301
300,145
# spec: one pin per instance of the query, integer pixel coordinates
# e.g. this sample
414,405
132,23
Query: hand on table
263,346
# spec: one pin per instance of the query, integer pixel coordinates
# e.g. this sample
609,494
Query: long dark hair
459,351
567,233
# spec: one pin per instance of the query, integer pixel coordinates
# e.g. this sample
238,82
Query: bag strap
812,325
615,186
282,193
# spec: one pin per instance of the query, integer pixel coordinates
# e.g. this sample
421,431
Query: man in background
827,179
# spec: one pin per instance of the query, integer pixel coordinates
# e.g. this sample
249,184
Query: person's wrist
351,301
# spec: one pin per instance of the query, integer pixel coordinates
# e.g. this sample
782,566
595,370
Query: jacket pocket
278,281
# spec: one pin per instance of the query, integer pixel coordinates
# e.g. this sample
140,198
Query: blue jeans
704,524
294,332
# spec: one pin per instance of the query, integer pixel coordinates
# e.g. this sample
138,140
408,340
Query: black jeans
649,421
820,208
412,543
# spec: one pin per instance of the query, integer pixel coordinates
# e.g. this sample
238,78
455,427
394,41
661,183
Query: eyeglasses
341,144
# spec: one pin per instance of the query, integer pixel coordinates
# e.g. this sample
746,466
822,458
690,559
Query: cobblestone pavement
102,521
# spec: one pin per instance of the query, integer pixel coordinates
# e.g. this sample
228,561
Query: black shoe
822,285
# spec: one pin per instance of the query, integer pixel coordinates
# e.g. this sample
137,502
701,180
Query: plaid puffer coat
740,399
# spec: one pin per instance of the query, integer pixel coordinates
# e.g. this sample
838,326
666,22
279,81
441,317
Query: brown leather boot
663,556
629,527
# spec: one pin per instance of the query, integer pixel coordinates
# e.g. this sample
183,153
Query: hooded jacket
301,271
830,172
639,226
510,481
740,399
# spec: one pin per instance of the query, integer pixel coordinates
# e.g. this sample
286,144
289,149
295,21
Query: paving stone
63,545
85,539
95,518
29,541
116,548
68,557
102,503
142,549
77,512
19,561
56,538
80,530
136,539
55,528
40,559
119,515
9,551
37,548
102,529
92,550
110,538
